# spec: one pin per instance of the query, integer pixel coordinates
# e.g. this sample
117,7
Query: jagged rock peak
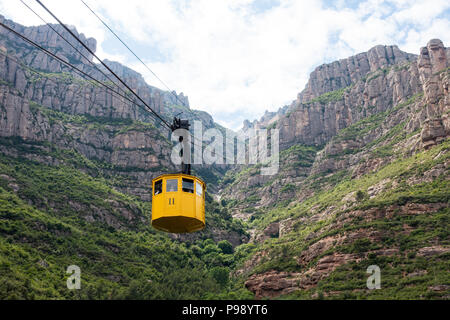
341,73
372,91
121,70
267,119
46,37
135,80
433,59
434,54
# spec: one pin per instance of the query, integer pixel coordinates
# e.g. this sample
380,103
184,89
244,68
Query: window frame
160,182
171,180
188,181
198,184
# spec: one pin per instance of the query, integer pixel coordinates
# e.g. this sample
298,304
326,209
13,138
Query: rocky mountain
76,164
328,83
316,120
267,120
363,180
44,90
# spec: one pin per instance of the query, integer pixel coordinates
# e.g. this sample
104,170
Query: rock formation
33,85
363,174
355,118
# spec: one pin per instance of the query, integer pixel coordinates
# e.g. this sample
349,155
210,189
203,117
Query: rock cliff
47,110
363,177
318,118
42,100
360,145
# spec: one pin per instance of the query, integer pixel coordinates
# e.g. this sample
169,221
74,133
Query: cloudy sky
237,58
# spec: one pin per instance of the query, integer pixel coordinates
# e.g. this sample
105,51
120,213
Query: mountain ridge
332,209
363,180
337,75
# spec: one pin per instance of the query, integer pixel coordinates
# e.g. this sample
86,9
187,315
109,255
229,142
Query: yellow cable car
178,203
178,199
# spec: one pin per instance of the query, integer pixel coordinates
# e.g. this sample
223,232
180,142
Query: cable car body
178,199
178,203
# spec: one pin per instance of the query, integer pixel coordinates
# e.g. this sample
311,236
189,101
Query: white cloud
231,60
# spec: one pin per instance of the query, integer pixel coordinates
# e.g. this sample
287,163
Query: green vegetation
298,156
56,77
331,96
358,130
59,216
446,70
225,246
113,125
361,195
348,280
288,188
400,169
404,274
318,182
59,208
273,125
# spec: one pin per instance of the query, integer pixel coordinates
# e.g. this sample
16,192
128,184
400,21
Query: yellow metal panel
200,202
172,198
178,211
157,202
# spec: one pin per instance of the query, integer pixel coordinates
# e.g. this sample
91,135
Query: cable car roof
178,175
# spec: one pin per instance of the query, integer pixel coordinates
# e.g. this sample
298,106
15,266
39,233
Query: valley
363,180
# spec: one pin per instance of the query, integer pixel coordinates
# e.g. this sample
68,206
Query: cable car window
188,185
171,185
199,188
158,187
